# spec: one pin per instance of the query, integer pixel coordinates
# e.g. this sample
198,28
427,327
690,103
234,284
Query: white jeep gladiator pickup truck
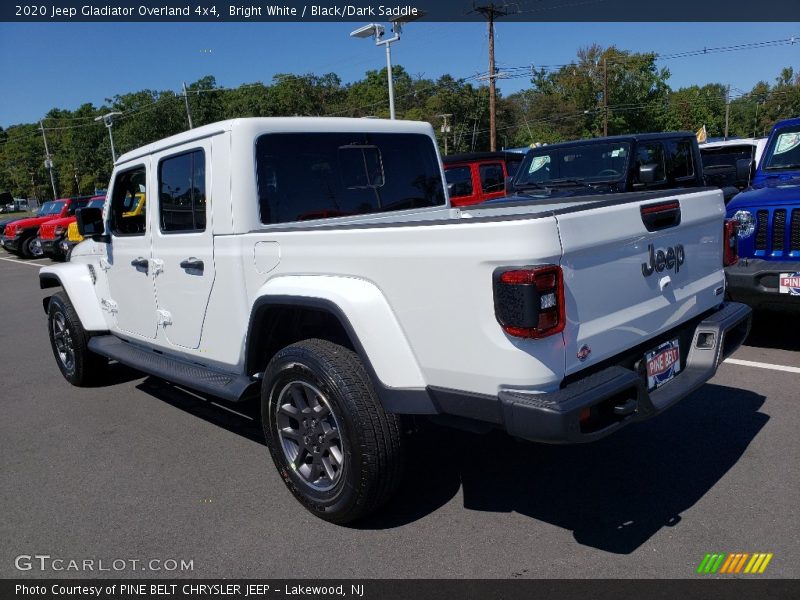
317,262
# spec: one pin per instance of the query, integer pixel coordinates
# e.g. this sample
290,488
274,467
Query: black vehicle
625,163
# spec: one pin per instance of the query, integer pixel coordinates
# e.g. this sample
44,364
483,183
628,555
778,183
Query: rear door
624,284
183,245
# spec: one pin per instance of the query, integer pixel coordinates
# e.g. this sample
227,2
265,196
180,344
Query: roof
640,137
476,156
258,125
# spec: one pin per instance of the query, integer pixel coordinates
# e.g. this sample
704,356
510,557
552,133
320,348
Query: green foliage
566,103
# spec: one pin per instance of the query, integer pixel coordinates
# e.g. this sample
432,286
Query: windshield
784,150
51,208
95,204
590,162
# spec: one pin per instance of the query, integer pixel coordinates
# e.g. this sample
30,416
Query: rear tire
337,450
69,341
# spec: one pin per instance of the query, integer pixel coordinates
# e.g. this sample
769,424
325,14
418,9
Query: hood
771,192
28,223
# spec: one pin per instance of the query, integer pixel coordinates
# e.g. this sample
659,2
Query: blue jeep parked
768,215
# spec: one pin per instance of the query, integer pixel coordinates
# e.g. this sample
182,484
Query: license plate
789,283
663,363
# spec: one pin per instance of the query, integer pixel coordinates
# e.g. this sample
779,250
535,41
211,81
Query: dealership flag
702,135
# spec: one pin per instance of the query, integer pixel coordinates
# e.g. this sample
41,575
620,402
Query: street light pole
376,31
48,161
108,120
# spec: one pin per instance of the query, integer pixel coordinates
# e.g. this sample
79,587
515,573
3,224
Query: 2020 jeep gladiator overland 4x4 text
317,263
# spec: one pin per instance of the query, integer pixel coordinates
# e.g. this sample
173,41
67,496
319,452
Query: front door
183,245
128,260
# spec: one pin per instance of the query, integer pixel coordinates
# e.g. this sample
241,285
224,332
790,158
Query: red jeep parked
19,237
52,232
479,176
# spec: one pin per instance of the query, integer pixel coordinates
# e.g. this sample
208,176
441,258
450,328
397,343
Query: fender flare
77,281
358,305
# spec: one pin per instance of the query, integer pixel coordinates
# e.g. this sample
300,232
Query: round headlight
746,223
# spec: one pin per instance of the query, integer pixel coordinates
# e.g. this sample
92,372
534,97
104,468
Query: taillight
529,301
730,240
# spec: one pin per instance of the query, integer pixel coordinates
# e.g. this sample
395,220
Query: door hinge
164,317
156,266
104,264
109,306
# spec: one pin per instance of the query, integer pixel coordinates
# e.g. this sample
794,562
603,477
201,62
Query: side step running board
228,386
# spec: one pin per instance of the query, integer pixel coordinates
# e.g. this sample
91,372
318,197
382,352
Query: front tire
335,447
26,247
69,341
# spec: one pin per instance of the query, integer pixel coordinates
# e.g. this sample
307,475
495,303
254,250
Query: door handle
139,262
192,263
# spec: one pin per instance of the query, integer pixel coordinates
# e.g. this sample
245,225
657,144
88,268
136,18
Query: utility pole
605,97
445,130
108,120
727,108
491,12
188,112
48,161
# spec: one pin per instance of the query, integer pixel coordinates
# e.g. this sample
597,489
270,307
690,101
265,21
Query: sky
63,65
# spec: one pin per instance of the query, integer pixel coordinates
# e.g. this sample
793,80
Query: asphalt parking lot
141,469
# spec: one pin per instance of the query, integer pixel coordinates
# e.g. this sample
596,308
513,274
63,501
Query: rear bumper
615,395
755,283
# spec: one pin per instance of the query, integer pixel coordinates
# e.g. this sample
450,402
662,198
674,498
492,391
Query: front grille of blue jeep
777,233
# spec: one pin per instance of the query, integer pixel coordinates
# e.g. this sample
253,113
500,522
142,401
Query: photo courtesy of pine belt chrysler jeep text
317,263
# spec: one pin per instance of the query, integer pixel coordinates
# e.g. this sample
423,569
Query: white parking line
761,365
22,262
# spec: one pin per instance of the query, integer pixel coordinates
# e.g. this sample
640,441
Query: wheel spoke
290,411
321,410
316,470
298,397
292,434
299,460
329,471
336,454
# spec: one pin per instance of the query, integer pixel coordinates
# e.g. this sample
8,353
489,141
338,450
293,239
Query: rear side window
682,165
182,192
491,176
459,181
127,186
305,176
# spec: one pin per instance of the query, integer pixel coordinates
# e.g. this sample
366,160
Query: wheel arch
78,283
387,357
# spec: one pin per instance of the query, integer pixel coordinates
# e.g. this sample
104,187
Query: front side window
492,179
459,181
305,176
652,154
182,193
127,186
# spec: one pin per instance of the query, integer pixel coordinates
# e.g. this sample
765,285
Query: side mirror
647,173
744,169
90,222
509,188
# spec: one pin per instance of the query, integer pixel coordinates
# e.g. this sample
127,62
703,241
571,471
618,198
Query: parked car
768,216
730,164
53,232
73,236
343,324
625,163
19,237
479,176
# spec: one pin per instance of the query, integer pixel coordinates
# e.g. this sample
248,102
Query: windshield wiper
573,181
531,185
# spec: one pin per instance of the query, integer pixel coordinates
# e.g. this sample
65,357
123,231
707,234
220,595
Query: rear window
492,178
305,176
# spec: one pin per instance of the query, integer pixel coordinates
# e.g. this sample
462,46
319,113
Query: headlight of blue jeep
746,223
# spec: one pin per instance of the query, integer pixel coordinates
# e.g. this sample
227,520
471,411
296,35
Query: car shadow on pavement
613,494
773,330
241,418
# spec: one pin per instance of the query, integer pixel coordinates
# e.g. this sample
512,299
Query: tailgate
613,301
